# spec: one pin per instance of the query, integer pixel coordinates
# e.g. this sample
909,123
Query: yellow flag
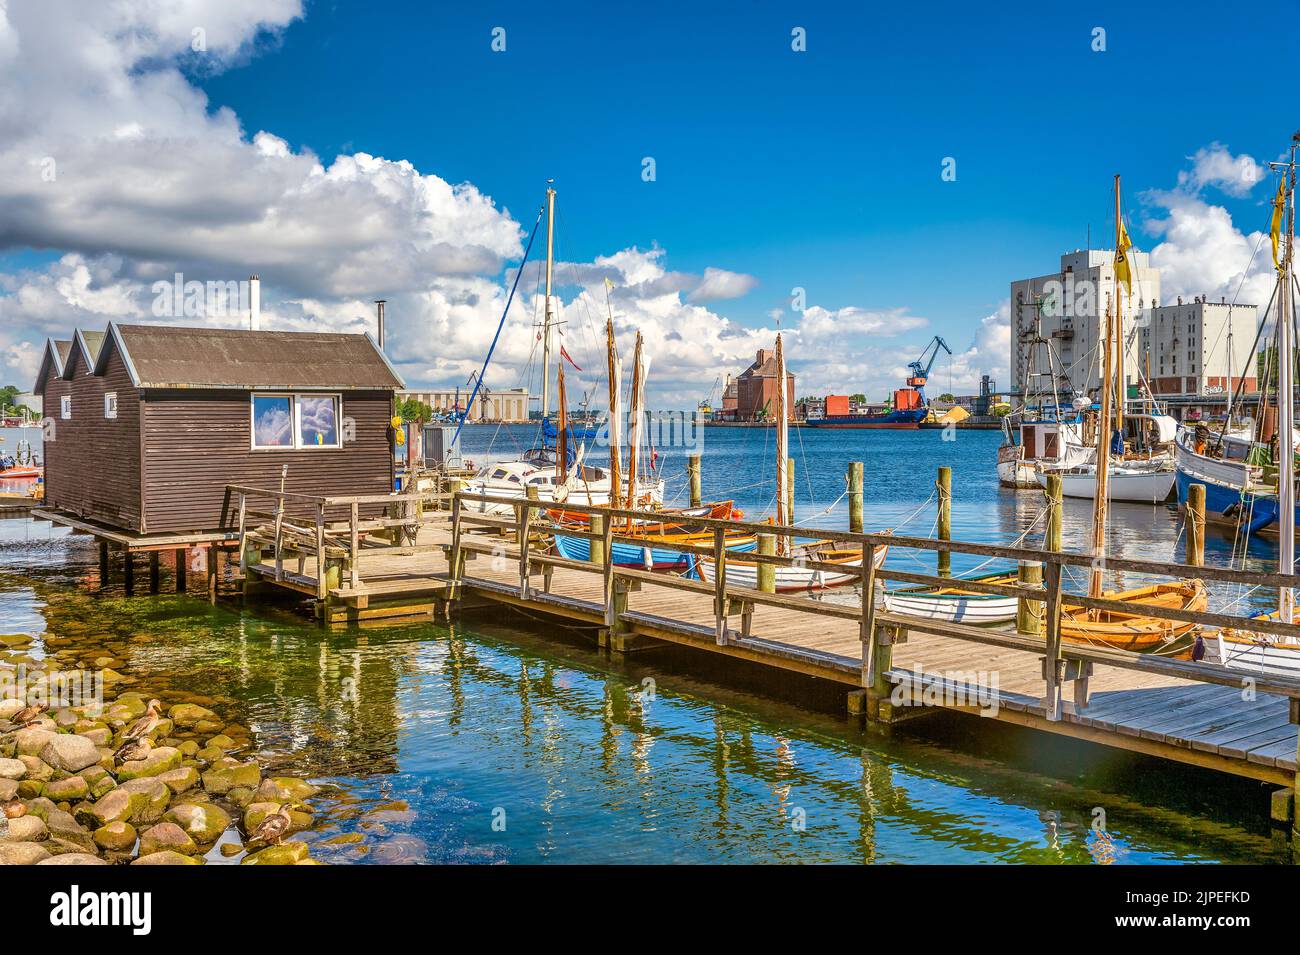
608,283
1275,228
1122,271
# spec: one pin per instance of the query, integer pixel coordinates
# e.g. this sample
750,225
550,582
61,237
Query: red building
756,389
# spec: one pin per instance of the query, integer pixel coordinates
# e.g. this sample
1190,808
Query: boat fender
1198,648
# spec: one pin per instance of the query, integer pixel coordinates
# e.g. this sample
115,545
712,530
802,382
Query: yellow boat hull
1144,629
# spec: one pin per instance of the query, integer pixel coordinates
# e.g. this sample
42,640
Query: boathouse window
110,405
65,407
295,421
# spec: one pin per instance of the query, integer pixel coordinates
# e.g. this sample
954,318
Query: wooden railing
339,529
879,631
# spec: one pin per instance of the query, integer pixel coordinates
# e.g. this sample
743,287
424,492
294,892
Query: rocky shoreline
189,795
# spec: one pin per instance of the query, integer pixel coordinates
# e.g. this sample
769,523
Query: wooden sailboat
1244,649
743,573
1140,629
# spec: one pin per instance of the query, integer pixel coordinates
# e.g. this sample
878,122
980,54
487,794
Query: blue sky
818,169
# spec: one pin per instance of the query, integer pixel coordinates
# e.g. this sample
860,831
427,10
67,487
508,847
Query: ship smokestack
254,303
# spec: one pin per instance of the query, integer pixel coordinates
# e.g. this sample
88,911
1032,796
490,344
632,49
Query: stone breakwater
190,797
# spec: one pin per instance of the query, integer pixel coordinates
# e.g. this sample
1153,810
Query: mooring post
179,556
1054,498
1029,613
766,571
1195,525
213,554
1052,662
128,572
855,497
693,470
153,571
597,544
944,486
103,563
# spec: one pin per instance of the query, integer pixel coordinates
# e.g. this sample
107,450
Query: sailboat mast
1285,408
562,429
549,316
634,428
1102,482
1121,345
782,442
615,416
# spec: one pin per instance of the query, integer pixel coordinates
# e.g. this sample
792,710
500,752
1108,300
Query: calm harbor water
526,745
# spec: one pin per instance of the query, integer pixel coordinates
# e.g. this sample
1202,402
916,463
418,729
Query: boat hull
741,573
1257,656
954,605
909,419
648,556
1142,630
1143,487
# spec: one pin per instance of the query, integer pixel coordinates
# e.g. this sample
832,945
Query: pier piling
597,544
154,574
179,556
767,572
1029,613
128,572
944,486
1194,528
103,563
693,471
1054,497
855,497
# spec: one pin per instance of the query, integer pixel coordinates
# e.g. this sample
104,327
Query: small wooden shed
148,424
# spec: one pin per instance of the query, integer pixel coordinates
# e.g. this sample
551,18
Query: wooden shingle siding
92,463
198,441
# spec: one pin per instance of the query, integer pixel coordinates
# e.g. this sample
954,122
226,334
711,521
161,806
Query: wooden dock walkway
1186,712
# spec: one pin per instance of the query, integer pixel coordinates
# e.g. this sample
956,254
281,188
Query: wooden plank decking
1184,720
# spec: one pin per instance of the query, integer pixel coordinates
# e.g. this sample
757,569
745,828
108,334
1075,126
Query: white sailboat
1253,650
558,480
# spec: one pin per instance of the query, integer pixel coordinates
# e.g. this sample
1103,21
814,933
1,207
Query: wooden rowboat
744,573
1141,630
674,519
954,602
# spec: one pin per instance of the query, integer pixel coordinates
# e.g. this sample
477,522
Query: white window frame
295,414
65,407
338,421
110,404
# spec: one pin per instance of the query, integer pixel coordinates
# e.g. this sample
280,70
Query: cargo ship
909,408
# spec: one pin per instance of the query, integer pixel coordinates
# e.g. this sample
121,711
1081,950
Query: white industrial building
1199,349
1073,304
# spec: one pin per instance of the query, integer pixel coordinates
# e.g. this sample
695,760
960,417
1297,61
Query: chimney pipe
379,309
254,302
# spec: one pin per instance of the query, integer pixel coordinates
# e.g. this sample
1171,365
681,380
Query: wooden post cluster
694,472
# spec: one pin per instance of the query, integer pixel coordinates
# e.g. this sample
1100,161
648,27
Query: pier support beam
597,544
693,471
213,553
944,486
128,572
1055,497
182,567
103,563
1194,525
855,497
153,572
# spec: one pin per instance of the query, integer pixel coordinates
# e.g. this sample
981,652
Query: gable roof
56,355
170,356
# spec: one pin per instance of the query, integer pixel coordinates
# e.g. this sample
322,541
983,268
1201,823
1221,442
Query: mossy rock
168,857
14,769
102,787
153,799
222,742
188,747
116,837
204,822
115,806
36,768
74,788
180,779
159,761
166,837
73,858
26,829
226,774
188,714
345,839
287,853
285,789
30,788
22,853
30,741
256,812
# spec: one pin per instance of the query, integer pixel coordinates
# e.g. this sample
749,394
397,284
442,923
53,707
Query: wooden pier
892,667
